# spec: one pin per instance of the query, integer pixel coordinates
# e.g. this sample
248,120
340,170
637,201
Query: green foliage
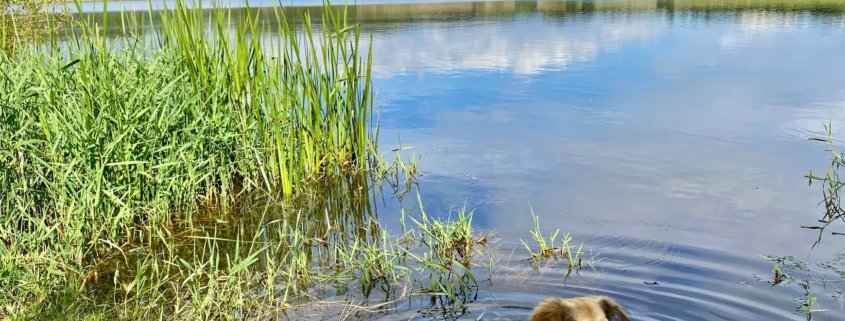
831,187
806,306
203,172
449,247
23,22
112,152
548,251
402,175
783,268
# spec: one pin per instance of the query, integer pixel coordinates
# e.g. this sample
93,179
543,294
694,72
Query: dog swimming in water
585,308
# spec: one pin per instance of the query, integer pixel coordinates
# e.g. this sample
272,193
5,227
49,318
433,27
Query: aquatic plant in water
831,187
122,159
447,260
548,251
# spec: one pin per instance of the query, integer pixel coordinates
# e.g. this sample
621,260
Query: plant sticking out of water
447,259
436,257
778,275
831,187
782,265
785,266
548,251
784,272
807,304
401,174
378,263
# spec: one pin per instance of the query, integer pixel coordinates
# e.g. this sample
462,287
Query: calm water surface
670,137
671,141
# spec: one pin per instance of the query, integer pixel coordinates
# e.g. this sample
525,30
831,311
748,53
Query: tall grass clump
113,151
24,22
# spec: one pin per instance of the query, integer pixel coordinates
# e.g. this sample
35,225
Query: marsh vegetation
198,174
24,22
548,250
205,173
224,163
122,159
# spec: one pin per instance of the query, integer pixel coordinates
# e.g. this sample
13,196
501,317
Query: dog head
590,308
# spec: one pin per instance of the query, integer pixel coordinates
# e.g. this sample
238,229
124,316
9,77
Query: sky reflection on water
640,131
683,119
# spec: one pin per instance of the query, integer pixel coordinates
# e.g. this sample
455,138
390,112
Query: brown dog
585,308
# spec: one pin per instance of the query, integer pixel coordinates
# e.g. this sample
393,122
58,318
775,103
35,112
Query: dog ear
551,309
612,309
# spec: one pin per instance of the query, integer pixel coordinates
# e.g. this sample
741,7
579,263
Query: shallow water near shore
671,141
670,137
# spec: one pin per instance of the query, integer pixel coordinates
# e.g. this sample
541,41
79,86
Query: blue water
672,142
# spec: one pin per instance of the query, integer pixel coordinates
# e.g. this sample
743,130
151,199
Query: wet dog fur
585,308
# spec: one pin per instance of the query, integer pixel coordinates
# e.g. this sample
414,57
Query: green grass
548,250
401,174
115,152
204,171
24,22
447,260
831,185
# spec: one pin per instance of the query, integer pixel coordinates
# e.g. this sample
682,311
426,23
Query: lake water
670,137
